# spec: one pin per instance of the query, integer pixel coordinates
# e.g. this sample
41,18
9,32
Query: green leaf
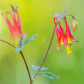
36,68
22,43
31,38
61,15
19,49
50,75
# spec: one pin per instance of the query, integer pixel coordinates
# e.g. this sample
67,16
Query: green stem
46,52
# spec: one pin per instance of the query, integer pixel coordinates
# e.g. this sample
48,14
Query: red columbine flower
15,28
64,38
60,35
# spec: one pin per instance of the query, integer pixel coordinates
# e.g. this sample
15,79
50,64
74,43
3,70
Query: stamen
68,50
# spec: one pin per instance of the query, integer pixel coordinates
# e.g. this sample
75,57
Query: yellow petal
61,43
69,40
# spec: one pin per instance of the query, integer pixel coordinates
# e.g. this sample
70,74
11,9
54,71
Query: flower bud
74,25
73,17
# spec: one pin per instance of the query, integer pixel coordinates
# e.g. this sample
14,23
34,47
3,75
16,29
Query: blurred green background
37,17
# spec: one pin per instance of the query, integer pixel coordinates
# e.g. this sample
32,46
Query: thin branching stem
23,59
8,43
46,52
26,66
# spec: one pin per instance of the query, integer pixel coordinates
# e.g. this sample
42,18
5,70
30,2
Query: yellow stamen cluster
68,50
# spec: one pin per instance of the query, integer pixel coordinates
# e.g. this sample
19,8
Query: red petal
11,28
65,41
78,41
57,32
54,21
65,20
58,43
19,26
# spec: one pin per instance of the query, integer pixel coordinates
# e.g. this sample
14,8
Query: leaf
61,15
50,75
19,49
31,38
36,68
21,43
21,40
56,14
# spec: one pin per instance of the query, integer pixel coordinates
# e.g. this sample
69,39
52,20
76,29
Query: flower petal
11,28
58,43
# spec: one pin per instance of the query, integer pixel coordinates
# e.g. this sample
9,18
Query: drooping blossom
15,28
60,35
64,38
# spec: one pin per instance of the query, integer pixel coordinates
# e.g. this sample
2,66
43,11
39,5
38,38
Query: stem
26,66
8,43
46,52
22,57
71,16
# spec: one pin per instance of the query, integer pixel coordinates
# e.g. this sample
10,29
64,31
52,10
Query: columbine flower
60,35
15,28
66,38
